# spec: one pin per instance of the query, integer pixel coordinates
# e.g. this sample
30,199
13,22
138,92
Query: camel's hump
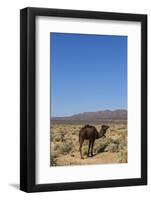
87,126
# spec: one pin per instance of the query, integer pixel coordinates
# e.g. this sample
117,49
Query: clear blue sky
88,73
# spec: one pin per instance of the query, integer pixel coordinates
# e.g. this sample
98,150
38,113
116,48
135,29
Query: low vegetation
64,148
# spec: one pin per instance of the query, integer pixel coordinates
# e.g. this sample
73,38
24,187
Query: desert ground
64,145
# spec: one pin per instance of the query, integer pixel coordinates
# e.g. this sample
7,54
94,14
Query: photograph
83,99
88,99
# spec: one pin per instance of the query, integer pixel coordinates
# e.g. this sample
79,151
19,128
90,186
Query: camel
90,133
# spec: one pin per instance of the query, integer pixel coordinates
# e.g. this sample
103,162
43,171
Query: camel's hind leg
81,140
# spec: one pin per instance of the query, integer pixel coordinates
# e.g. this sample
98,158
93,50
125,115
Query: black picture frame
28,99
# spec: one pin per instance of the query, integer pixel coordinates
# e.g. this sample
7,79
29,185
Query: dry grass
64,148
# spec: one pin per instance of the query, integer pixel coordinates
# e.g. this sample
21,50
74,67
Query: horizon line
112,110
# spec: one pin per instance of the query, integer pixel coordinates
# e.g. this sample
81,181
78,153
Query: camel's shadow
101,150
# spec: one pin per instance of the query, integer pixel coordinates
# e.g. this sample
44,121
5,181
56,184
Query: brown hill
105,115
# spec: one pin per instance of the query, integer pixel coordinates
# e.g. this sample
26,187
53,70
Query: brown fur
90,133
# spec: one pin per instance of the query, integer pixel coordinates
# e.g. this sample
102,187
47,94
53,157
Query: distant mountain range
104,115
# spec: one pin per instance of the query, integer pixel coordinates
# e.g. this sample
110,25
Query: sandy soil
74,159
64,148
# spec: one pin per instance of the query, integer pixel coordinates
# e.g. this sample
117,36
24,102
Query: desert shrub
74,133
123,156
74,127
109,140
51,146
75,138
54,150
123,145
112,130
112,147
53,160
57,146
122,127
99,147
123,141
72,153
84,150
51,135
114,142
59,137
66,147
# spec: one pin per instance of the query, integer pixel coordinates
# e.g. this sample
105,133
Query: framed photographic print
83,99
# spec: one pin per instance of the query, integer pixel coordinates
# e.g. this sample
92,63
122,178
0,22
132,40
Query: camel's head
105,128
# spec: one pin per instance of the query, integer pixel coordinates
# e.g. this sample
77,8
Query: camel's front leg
92,144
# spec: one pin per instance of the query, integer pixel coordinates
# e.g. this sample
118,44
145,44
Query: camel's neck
101,133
